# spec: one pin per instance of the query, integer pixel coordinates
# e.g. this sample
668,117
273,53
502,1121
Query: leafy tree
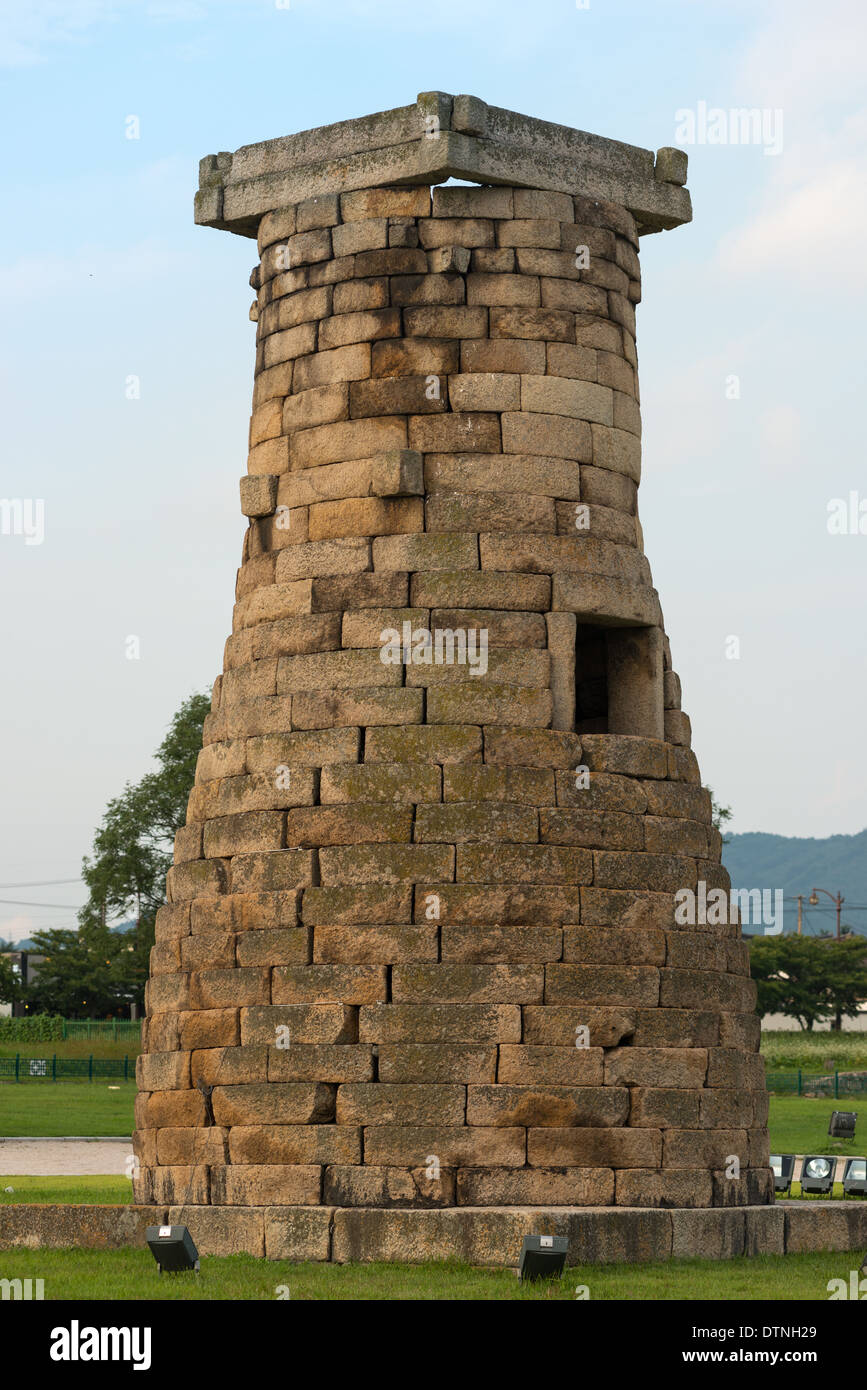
93,970
808,978
132,849
86,972
10,983
847,975
720,815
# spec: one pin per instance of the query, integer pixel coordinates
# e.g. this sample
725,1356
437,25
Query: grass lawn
814,1052
46,1108
74,1047
799,1124
105,1189
131,1274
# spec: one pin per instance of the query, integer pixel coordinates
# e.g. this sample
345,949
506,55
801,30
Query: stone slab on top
440,137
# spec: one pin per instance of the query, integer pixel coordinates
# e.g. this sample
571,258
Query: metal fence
56,1068
802,1083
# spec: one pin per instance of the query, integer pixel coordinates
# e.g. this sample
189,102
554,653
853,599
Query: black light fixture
855,1178
783,1167
542,1257
817,1173
173,1249
842,1124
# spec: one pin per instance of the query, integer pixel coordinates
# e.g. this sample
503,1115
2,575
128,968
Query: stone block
455,1146
545,1105
593,1148
440,1023
289,1144
381,945
467,984
321,1062
307,1023
299,1234
501,945
313,984
256,1185
534,1187
427,1063
385,1187
389,1103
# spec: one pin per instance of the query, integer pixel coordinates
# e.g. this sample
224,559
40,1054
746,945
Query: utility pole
800,911
838,902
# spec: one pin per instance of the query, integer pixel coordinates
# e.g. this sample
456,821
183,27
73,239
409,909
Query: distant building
25,961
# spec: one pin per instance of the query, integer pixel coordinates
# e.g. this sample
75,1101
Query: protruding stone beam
437,138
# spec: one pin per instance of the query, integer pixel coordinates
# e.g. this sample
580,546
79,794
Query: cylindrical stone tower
422,950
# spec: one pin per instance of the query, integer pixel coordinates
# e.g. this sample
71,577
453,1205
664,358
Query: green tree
720,815
847,975
132,849
93,970
10,983
808,978
85,972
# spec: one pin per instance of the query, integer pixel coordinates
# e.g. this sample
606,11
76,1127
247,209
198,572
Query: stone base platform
478,1236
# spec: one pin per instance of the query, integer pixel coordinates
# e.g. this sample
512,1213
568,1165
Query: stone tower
420,965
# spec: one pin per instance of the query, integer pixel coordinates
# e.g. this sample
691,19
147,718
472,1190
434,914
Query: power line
44,883
19,902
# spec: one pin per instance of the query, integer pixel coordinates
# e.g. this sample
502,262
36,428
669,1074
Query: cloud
28,30
780,432
17,928
815,199
812,233
805,60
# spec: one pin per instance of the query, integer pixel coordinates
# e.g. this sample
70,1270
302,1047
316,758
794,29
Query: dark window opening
618,680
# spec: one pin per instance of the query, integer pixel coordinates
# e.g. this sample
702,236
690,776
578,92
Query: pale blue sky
104,275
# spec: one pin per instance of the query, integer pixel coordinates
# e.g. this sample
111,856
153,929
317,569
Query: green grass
103,1189
67,1107
799,1124
819,1196
131,1275
814,1052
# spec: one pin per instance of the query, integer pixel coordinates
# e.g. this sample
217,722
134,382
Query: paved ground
772,1023
63,1157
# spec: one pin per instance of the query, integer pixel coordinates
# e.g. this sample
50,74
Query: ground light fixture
817,1173
855,1177
842,1124
542,1257
783,1167
173,1249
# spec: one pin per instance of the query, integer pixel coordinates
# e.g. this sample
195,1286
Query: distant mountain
838,864
25,944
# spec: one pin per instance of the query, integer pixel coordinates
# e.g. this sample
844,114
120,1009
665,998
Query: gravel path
63,1157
